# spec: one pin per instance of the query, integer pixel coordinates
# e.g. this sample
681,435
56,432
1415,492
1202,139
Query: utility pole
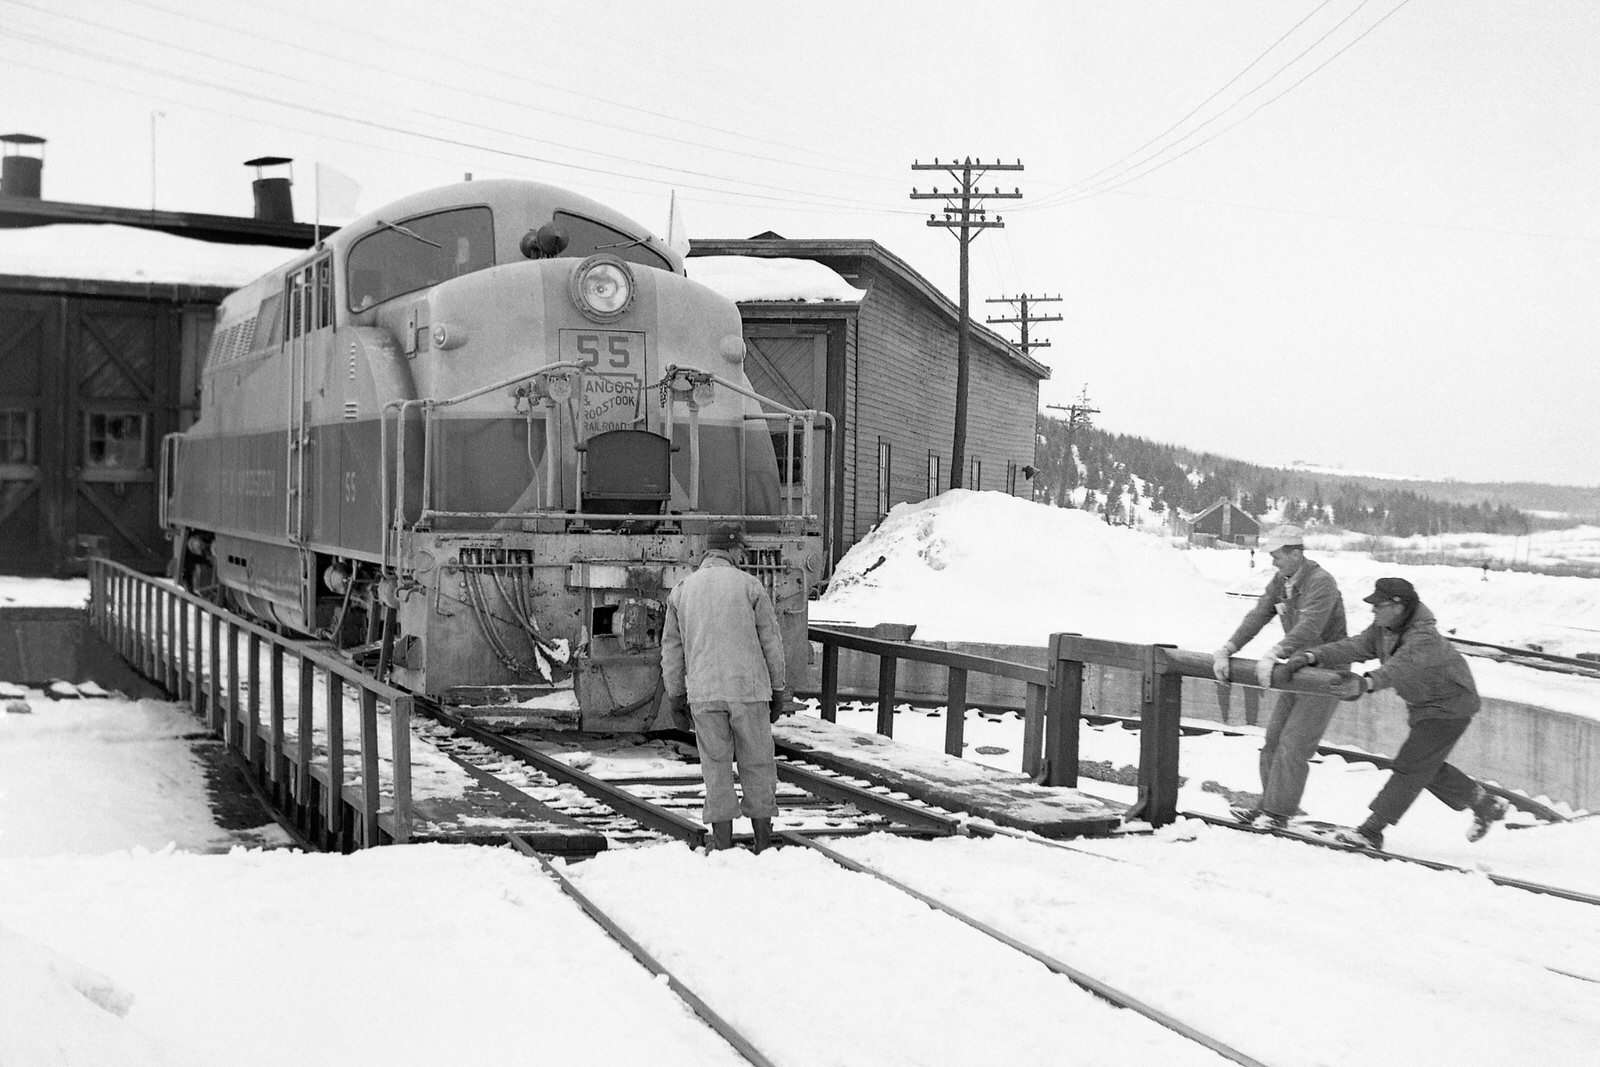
1023,303
965,216
1077,414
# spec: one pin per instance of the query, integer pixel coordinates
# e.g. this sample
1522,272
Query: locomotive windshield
585,237
397,259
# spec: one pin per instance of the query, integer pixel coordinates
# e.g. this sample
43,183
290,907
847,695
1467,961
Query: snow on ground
119,947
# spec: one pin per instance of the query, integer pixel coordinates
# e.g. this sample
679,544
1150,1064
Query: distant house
847,327
1223,522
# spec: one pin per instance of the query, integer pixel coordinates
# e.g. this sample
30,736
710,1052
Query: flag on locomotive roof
336,193
677,236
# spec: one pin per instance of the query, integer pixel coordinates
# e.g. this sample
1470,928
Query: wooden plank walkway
1002,797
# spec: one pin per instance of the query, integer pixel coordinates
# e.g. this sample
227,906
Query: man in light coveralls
1307,599
722,652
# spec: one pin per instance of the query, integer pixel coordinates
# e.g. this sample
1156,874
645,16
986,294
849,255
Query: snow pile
760,278
128,254
976,566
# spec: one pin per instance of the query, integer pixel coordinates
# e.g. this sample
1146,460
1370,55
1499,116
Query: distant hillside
1123,476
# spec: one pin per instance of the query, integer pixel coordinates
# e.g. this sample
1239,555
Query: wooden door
789,364
118,398
30,514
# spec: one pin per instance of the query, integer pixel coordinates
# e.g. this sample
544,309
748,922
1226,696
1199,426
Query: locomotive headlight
602,287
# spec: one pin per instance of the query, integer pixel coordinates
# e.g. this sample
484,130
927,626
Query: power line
1068,196
840,202
347,60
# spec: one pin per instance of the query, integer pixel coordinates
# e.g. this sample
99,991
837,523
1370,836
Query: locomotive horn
547,242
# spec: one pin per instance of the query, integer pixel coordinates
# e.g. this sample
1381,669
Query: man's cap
1391,591
724,537
1284,537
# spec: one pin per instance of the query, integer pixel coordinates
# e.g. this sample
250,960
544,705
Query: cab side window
417,253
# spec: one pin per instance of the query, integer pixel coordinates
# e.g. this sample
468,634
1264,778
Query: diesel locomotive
474,438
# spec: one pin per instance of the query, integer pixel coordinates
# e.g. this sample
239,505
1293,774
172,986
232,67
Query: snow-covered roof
744,278
111,253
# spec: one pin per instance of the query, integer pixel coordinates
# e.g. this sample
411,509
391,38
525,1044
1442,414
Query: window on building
16,436
115,440
883,477
1011,478
791,472
933,474
975,481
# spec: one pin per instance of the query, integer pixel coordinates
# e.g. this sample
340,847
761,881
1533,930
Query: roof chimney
19,172
273,202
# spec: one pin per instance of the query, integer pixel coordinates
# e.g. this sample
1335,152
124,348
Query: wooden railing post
1161,705
1033,728
305,736
334,810
214,664
830,681
887,667
400,724
955,720
369,768
252,749
279,759
1063,712
232,709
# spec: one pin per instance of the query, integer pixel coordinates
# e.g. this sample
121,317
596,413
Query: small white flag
337,193
677,236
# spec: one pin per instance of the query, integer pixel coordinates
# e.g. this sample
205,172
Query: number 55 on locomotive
474,438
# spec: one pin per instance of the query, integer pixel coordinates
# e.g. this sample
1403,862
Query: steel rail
651,816
1509,882
873,803
1103,990
724,1029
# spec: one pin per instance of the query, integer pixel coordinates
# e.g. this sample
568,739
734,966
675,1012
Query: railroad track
631,809
747,1048
1498,879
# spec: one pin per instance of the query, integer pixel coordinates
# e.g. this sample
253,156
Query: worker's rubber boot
722,835
763,828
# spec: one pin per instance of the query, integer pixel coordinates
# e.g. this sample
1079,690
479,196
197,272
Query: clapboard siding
898,362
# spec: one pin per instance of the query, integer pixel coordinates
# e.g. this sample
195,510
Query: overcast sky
1359,233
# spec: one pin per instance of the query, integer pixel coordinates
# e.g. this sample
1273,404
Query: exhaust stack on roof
273,202
19,173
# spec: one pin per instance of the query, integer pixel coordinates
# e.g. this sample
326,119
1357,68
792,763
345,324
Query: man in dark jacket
722,654
1307,599
1427,672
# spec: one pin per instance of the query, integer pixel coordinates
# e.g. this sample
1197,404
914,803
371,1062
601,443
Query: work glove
1265,667
1219,662
1297,661
779,704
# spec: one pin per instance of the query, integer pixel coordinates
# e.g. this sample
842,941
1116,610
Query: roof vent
273,202
19,173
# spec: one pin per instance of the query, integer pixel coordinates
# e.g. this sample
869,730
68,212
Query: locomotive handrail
393,515
428,405
157,628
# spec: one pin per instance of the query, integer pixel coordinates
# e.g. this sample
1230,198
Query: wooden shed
1224,522
880,357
